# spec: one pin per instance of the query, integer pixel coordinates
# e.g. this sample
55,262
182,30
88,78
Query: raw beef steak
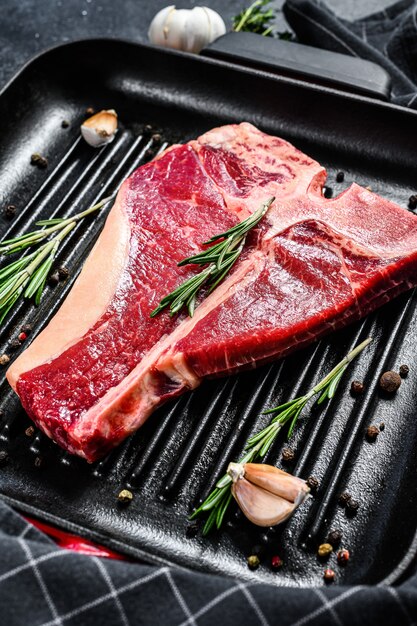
103,365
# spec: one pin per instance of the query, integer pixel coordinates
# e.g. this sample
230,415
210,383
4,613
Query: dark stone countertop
27,27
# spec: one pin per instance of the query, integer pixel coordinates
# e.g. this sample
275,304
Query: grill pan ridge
172,463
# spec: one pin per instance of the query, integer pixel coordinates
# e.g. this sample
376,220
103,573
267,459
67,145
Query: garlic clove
261,507
276,481
100,128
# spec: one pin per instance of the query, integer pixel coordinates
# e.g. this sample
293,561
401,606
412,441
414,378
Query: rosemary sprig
258,445
255,19
27,276
219,259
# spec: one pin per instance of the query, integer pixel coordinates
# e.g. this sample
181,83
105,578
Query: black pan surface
174,460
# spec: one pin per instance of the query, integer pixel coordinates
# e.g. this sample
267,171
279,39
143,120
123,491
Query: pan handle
295,60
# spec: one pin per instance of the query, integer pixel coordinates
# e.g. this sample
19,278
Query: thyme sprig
27,276
219,259
216,504
255,19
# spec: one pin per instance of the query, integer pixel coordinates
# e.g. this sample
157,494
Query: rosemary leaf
258,444
219,260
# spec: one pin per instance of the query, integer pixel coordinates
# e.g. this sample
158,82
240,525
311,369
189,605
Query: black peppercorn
14,344
352,506
344,498
334,538
53,279
192,529
357,388
327,192
30,431
390,382
340,177
65,123
412,202
288,455
27,328
404,370
372,433
313,483
382,426
39,160
148,128
156,137
63,272
10,211
39,462
4,458
89,111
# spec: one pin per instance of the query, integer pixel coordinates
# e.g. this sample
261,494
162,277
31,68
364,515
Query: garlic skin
266,495
189,30
100,129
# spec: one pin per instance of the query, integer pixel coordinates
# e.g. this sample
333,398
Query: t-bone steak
102,365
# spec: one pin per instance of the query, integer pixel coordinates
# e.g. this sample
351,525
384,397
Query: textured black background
27,27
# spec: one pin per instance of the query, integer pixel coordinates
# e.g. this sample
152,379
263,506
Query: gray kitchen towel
388,38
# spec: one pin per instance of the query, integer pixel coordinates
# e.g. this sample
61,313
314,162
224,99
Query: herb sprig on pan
216,504
219,259
27,276
255,19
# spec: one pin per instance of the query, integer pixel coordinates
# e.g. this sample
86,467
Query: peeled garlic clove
100,128
276,481
189,30
261,507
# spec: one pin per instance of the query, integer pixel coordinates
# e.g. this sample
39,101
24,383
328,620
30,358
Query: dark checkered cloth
43,584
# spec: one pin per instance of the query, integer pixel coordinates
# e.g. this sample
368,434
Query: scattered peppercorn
288,455
372,433
404,370
313,483
125,496
258,549
344,498
412,202
53,279
357,388
343,557
276,562
327,192
4,458
22,336
192,529
340,177
329,575
30,431
39,160
27,328
156,137
89,111
335,537
253,561
10,211
14,344
324,550
63,272
4,359
39,462
382,426
148,128
65,123
352,506
390,382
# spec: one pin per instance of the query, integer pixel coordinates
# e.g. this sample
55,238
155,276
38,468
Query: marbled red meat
313,265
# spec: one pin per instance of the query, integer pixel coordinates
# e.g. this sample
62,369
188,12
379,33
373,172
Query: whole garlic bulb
189,30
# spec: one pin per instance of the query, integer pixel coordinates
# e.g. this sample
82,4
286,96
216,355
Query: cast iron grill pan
172,462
